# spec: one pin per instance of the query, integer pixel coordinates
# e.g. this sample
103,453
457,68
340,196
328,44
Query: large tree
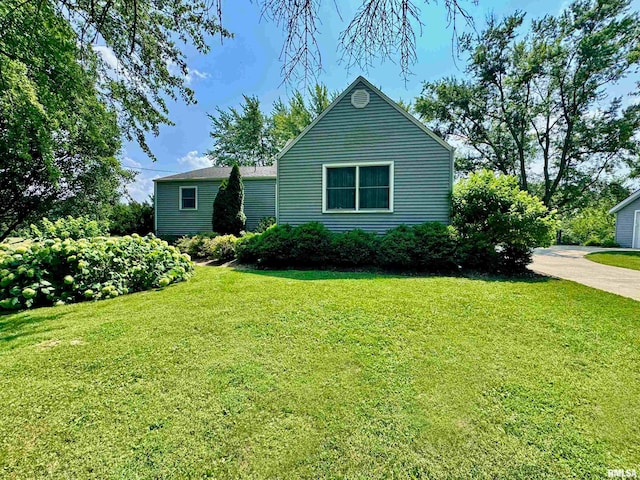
536,104
57,138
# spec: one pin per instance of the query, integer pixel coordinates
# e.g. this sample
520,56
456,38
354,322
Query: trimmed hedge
56,271
429,247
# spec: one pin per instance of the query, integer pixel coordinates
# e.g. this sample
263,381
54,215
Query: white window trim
180,198
325,166
633,239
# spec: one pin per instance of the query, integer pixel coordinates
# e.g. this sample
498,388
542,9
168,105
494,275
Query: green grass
617,259
243,374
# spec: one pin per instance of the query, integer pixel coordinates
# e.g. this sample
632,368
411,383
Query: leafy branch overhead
535,104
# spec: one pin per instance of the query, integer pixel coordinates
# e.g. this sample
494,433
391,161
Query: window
359,188
188,198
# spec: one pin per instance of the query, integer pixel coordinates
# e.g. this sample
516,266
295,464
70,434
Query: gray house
184,202
363,163
628,221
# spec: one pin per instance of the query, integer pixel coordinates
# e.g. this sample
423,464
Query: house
363,163
628,221
184,202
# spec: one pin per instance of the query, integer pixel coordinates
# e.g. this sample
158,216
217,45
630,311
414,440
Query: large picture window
188,198
358,187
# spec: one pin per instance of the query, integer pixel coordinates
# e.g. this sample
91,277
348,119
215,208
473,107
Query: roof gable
631,198
379,93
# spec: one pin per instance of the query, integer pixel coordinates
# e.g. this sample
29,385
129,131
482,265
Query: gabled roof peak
377,91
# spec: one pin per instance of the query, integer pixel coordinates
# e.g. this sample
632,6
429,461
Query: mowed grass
242,374
622,259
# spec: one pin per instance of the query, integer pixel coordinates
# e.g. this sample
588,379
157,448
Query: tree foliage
58,140
132,217
136,46
228,206
246,136
535,104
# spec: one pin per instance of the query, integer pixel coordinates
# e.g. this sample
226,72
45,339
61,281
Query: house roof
218,173
378,92
634,196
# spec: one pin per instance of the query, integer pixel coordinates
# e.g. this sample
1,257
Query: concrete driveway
568,262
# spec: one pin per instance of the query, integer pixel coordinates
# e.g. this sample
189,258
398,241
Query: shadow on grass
14,325
310,275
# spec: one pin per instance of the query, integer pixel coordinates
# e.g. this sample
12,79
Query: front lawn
622,259
324,375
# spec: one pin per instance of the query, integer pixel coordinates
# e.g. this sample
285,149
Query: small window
359,188
188,198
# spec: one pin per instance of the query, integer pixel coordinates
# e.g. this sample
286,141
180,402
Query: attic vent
360,98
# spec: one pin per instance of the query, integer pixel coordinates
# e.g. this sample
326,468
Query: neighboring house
628,221
363,163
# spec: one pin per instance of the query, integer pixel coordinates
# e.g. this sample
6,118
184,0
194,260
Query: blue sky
249,64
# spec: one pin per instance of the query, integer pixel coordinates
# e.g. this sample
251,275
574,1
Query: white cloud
142,187
108,56
193,160
193,73
130,162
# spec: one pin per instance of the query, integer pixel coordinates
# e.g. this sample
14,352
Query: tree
58,141
379,30
228,206
136,46
536,105
242,137
249,137
132,217
288,121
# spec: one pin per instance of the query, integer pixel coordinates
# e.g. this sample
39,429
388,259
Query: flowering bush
197,246
56,271
68,227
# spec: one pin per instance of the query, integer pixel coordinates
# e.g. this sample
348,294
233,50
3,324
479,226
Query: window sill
356,211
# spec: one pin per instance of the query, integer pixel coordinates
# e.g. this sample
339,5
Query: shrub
265,223
355,248
134,217
68,227
228,215
436,247
311,244
222,248
396,248
430,247
64,271
196,246
272,248
498,223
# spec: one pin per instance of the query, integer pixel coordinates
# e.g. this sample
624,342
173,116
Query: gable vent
360,98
